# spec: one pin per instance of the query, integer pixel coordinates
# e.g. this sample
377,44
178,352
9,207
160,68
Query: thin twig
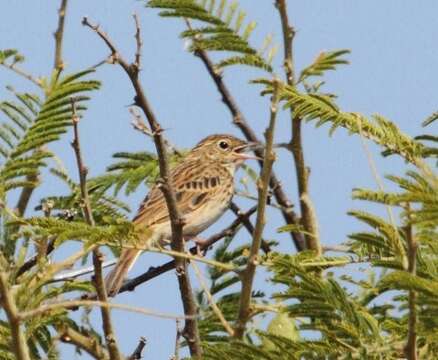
22,73
88,343
153,272
19,346
138,352
139,125
73,304
99,282
59,36
411,345
263,186
139,42
240,121
191,332
211,301
308,213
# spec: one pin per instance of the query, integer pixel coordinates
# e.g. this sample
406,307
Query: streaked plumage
204,186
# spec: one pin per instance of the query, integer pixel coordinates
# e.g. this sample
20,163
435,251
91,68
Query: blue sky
392,72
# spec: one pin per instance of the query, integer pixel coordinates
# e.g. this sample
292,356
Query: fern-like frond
31,123
322,110
221,30
328,60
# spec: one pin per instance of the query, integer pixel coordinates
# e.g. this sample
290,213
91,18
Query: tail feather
115,278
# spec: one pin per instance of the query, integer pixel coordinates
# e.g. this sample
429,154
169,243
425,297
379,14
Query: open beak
241,151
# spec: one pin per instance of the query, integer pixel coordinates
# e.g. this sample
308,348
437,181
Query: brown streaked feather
191,181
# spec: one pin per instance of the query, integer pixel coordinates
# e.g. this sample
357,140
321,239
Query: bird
204,186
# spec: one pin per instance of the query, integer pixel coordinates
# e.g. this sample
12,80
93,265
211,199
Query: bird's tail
115,278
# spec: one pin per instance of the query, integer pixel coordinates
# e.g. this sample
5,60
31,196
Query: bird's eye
223,145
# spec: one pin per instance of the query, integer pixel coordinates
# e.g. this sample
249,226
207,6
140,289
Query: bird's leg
200,245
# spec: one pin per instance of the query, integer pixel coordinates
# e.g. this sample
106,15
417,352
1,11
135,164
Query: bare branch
99,282
139,42
191,332
263,186
18,346
59,37
308,214
138,352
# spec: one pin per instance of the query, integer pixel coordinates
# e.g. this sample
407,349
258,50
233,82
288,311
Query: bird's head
225,149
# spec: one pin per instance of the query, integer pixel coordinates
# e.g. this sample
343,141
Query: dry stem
263,186
309,219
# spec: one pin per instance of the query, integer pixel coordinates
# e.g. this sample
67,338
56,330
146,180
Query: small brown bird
204,186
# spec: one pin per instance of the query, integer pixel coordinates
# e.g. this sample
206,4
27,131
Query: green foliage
322,110
32,123
325,61
221,30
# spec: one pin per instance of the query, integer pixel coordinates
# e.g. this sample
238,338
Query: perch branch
191,332
153,272
263,187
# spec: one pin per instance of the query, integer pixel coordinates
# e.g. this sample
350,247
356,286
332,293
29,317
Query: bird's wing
194,186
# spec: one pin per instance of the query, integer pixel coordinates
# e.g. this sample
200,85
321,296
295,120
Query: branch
153,272
73,304
59,36
263,187
99,282
308,214
137,354
22,73
87,343
19,346
411,345
191,332
240,121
